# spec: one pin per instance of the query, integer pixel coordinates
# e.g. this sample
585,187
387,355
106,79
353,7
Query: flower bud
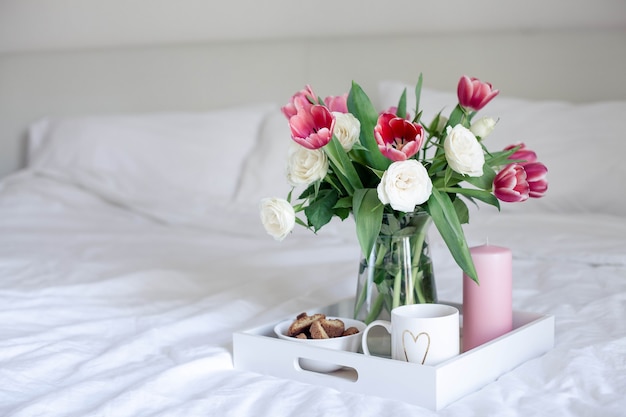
483,127
474,94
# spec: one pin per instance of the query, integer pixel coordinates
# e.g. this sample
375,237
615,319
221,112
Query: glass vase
399,269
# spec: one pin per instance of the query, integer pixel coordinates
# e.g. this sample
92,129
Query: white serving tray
433,387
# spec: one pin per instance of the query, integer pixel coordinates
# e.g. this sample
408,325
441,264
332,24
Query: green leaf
368,215
308,192
342,166
418,93
401,109
301,222
332,179
408,231
393,225
485,181
434,124
437,165
457,116
418,117
361,107
501,158
320,211
448,175
358,147
447,222
482,195
344,202
461,210
342,213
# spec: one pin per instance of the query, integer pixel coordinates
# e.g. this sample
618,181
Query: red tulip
337,103
398,139
522,154
536,176
474,94
302,99
511,184
312,127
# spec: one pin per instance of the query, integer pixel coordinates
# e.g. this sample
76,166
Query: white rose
483,127
305,166
347,129
463,152
404,185
278,217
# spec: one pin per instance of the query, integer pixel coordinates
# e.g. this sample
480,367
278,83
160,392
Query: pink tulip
312,127
337,103
474,94
302,99
522,154
398,139
536,176
511,185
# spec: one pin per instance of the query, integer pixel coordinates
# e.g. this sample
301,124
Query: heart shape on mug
422,346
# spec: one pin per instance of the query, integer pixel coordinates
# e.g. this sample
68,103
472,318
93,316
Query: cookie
332,327
350,331
317,330
302,323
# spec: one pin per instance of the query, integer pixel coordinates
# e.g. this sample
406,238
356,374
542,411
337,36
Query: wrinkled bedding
105,312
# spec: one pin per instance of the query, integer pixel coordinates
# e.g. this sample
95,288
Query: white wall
46,24
70,57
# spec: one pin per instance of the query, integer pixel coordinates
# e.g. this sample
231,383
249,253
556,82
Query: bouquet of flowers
350,159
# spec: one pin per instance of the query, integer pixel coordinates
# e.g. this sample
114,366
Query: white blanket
104,312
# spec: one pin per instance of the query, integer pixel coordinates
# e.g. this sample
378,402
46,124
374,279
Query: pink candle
487,306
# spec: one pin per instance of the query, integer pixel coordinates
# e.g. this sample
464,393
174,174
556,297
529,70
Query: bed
123,277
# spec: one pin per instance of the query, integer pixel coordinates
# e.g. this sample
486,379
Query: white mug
427,334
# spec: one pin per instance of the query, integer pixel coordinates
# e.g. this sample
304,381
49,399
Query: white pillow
170,166
264,171
581,144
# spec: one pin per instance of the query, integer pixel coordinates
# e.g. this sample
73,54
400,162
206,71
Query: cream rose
483,127
305,166
404,185
463,152
278,217
347,129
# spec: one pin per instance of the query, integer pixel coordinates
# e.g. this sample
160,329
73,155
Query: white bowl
351,343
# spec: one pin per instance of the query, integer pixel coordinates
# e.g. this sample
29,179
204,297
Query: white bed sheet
107,313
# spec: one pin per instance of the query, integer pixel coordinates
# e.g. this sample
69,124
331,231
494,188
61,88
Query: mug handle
384,323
